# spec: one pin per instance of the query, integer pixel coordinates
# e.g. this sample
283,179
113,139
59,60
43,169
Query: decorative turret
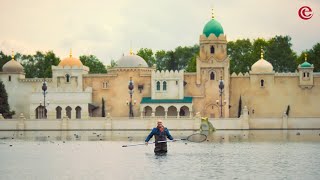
305,73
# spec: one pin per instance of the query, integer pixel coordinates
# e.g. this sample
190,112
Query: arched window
164,86
9,78
67,78
212,76
262,83
68,111
158,86
58,112
212,50
78,112
304,74
307,74
41,112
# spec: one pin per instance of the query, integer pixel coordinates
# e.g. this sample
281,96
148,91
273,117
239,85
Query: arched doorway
212,111
41,112
172,111
58,112
184,111
78,112
160,111
147,111
68,111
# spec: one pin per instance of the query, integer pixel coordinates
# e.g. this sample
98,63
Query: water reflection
100,155
135,136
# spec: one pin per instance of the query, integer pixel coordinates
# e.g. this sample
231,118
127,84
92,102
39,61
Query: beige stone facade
265,93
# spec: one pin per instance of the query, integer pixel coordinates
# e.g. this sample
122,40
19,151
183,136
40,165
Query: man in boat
160,133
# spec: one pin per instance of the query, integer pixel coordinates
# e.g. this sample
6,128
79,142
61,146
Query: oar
192,138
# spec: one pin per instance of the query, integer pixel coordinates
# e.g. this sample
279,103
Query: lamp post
221,87
44,92
130,87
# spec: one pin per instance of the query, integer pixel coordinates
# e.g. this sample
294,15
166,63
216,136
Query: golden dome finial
12,55
305,57
131,52
70,53
261,53
212,15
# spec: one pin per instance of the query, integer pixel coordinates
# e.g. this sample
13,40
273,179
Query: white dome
12,66
262,66
131,61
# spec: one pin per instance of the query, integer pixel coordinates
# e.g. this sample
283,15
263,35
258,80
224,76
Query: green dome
213,27
306,64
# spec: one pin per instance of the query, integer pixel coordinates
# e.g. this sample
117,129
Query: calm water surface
100,155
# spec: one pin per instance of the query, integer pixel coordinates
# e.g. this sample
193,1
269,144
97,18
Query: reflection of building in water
74,93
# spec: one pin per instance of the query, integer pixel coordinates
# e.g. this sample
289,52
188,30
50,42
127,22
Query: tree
3,59
257,45
192,64
160,60
95,65
313,57
177,59
4,105
39,65
147,55
280,55
240,53
113,63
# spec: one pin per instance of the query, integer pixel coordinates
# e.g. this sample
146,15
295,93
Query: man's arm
150,135
168,134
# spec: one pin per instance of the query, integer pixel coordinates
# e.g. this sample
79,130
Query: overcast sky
108,29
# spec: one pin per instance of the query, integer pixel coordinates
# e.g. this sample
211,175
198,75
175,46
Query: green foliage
243,54
177,59
280,55
147,55
95,65
39,65
3,59
112,64
192,64
240,53
4,105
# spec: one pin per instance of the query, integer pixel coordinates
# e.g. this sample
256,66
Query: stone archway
172,111
78,112
184,111
41,112
68,111
212,111
160,111
58,112
147,111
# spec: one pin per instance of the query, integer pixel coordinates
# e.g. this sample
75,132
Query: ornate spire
261,53
70,53
12,56
305,57
212,16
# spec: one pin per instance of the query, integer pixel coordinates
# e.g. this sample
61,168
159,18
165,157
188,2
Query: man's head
159,123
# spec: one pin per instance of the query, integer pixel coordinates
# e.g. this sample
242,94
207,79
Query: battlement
286,74
48,80
167,74
240,74
71,67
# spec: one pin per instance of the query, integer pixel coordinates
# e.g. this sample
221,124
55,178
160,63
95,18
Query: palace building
75,93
